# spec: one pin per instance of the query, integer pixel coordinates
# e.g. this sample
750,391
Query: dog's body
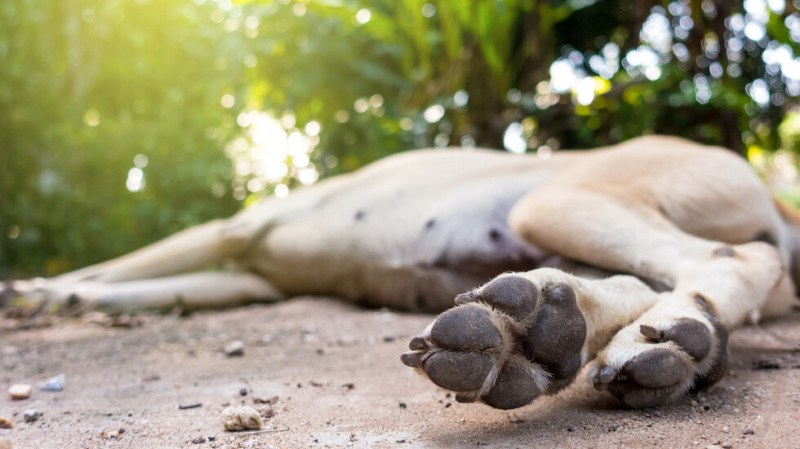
414,230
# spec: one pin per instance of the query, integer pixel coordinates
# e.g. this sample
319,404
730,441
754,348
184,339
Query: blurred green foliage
126,120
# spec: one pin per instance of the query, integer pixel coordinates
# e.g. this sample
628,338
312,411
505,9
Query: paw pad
515,387
557,338
466,329
504,344
689,334
458,371
646,380
512,295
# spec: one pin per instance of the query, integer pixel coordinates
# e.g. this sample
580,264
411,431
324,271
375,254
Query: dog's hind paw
654,361
505,343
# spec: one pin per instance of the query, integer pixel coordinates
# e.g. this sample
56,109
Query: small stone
241,418
5,443
20,391
6,423
199,440
727,445
32,415
725,429
749,431
234,349
55,383
112,434
243,391
403,405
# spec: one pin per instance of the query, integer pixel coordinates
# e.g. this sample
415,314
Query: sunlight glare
434,113
135,181
92,117
271,153
514,138
363,16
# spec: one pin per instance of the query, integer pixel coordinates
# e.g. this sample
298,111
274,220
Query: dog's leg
189,291
511,345
525,334
190,250
681,341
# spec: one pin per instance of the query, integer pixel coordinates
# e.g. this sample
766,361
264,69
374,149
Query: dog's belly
407,242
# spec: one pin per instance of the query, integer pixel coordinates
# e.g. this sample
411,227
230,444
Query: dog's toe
458,371
467,328
516,386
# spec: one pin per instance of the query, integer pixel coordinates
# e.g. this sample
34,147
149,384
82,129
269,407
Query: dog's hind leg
190,250
159,276
201,290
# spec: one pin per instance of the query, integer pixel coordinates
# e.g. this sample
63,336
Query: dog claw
464,298
604,378
411,359
418,344
650,332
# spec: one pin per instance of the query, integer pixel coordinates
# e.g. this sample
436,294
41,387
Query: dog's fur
414,230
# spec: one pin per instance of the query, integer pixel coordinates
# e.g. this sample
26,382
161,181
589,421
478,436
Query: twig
243,434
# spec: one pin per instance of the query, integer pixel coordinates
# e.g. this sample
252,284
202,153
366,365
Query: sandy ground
327,374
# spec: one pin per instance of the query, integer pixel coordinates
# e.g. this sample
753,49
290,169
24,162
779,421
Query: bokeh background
122,121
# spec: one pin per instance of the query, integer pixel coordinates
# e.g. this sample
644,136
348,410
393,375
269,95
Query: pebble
6,423
241,418
5,443
234,349
55,383
20,391
112,434
199,440
243,391
31,415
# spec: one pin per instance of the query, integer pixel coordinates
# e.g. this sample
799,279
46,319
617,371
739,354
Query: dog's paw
505,343
654,361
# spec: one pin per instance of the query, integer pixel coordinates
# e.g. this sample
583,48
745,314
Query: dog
639,258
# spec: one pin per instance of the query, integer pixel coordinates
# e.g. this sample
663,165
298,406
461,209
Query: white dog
413,231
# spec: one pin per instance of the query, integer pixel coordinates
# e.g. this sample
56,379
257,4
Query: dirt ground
327,374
